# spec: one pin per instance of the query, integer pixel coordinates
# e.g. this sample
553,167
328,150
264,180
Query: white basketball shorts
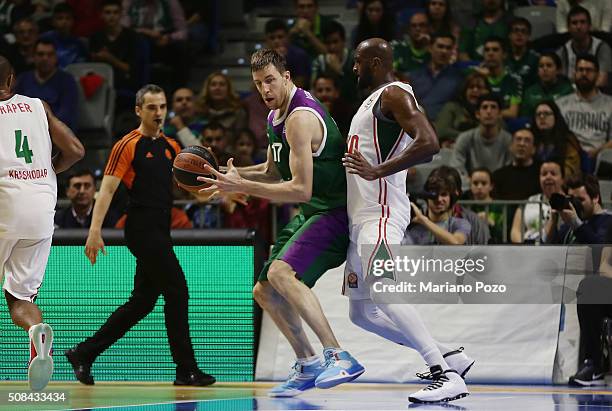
23,266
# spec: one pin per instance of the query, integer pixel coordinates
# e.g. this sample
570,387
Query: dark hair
448,172
559,136
520,21
440,184
496,39
6,69
494,97
212,126
334,27
577,10
80,173
316,2
588,57
63,8
365,30
553,56
149,88
446,25
469,79
442,35
45,42
263,57
588,181
249,133
328,76
526,128
554,160
482,170
273,25
117,3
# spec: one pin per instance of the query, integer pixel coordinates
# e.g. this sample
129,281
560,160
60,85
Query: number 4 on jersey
22,148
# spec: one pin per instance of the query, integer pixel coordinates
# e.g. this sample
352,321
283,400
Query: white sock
367,315
30,330
309,360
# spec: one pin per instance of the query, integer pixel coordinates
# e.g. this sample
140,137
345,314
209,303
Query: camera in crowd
562,202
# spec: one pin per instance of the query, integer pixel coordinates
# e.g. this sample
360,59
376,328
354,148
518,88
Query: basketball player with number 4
28,192
388,134
304,166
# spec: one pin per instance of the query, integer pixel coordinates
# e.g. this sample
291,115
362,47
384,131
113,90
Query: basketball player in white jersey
28,192
388,134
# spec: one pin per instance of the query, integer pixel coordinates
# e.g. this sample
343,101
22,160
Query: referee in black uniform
142,160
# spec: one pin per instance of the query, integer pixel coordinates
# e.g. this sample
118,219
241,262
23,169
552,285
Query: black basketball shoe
588,375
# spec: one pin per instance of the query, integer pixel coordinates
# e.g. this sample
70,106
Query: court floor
252,396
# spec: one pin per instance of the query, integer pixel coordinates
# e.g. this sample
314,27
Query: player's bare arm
264,172
70,148
399,105
94,238
302,129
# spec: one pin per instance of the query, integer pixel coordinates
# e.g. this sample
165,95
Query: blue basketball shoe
340,367
302,378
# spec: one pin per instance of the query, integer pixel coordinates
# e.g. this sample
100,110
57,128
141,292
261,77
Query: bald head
5,72
376,48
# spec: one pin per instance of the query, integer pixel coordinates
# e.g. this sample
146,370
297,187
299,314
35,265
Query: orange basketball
189,165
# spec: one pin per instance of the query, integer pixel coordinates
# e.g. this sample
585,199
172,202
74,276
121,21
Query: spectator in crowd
479,232
21,54
338,60
486,145
327,91
459,115
214,136
582,42
309,25
257,113
599,10
81,190
162,22
551,84
7,16
524,168
437,225
245,149
529,221
588,112
117,45
298,61
412,52
254,214
50,83
587,225
522,61
481,186
183,123
87,17
69,49
375,20
554,139
441,20
219,102
594,314
493,22
436,82
500,80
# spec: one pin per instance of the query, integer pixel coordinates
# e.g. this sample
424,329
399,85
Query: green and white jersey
328,180
378,140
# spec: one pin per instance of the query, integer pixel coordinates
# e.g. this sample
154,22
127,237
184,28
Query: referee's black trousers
147,233
594,304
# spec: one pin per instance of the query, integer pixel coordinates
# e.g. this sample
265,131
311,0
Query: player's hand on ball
93,245
357,164
230,182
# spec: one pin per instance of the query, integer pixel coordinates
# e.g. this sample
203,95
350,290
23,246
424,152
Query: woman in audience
551,84
219,103
458,115
529,221
244,149
553,138
481,186
375,20
441,19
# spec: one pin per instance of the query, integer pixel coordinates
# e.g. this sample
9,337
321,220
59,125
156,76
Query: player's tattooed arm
70,148
399,105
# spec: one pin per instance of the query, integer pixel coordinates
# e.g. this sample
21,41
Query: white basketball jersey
28,185
377,140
